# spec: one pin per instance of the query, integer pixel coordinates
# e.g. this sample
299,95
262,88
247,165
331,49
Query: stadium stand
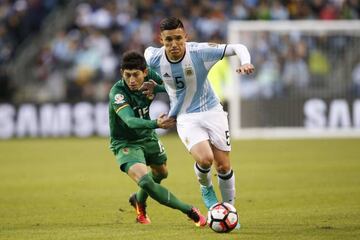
54,50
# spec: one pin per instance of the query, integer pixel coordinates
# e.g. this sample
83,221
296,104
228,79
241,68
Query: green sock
162,195
141,195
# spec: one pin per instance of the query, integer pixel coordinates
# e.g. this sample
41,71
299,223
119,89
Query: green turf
72,189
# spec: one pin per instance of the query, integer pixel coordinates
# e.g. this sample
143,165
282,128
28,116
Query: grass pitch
72,189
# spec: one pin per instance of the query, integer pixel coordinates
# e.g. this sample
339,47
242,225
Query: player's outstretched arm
243,53
127,115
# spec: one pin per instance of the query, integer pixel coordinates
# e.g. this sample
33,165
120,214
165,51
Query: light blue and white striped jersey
186,80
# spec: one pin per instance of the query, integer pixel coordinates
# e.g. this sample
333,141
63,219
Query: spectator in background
6,44
63,48
240,11
268,77
263,11
6,87
278,11
122,21
86,68
319,67
295,74
348,10
329,12
356,80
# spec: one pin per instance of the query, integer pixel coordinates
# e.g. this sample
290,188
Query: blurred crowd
18,20
82,60
303,65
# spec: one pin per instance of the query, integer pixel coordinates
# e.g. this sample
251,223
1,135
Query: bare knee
163,174
223,167
160,171
203,154
222,161
205,161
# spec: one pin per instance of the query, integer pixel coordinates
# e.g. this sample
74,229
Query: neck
174,59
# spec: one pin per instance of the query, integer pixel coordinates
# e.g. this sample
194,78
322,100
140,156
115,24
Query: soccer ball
222,217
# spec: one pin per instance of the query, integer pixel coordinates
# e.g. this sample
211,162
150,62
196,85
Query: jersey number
161,147
179,82
143,111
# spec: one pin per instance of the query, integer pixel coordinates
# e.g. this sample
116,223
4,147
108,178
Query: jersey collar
172,62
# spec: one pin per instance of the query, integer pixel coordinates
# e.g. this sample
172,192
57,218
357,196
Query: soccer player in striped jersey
135,143
202,123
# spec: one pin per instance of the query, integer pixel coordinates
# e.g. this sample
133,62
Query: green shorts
148,152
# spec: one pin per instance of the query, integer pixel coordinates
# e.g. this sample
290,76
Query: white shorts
211,125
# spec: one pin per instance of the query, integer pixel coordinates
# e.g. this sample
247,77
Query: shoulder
153,55
195,46
117,88
192,46
153,75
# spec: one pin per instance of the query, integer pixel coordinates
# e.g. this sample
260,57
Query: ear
160,39
146,71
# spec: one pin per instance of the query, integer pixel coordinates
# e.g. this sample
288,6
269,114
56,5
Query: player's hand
147,88
246,69
163,121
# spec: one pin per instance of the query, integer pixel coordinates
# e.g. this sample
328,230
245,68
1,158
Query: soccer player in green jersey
135,143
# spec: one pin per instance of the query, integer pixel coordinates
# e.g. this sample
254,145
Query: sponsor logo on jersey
166,75
125,150
119,98
189,71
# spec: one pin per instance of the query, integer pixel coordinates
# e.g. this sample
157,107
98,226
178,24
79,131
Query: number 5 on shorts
227,135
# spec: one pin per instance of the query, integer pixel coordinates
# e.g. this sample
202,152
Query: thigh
203,154
154,152
190,130
137,171
218,129
159,170
128,156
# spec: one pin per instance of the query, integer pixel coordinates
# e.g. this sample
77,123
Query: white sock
203,175
227,186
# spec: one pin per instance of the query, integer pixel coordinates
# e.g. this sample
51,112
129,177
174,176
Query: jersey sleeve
154,76
118,100
211,53
149,55
153,55
127,115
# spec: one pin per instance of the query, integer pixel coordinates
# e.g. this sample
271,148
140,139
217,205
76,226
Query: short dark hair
170,23
133,60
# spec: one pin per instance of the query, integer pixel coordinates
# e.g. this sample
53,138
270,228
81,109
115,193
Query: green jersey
133,123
